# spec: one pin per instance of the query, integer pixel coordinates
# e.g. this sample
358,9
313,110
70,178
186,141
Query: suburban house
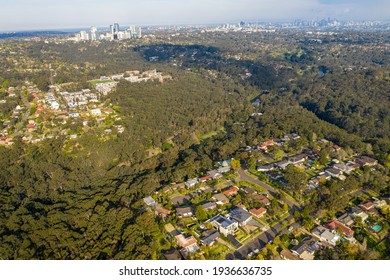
325,235
286,254
172,255
304,250
265,145
224,225
179,200
240,215
332,225
161,211
204,179
298,159
220,199
224,169
183,212
258,212
150,201
249,190
209,206
189,244
190,183
347,219
231,191
214,174
368,207
265,168
283,164
366,161
178,186
343,167
209,238
333,172
96,112
262,199
357,212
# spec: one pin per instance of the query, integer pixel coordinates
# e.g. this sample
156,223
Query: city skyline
45,14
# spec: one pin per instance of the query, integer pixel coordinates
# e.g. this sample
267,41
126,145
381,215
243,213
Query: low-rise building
326,235
224,225
184,212
258,212
240,215
220,199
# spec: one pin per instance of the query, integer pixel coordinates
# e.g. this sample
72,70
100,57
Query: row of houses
211,175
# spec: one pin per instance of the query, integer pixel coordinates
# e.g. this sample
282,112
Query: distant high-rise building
93,33
84,35
112,29
116,27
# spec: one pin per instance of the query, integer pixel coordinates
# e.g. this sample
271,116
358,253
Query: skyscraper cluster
114,33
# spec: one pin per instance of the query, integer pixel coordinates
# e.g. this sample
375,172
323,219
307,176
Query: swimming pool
377,228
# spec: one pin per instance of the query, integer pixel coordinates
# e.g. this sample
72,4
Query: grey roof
211,238
149,201
209,205
222,221
300,248
179,200
221,197
184,210
249,190
239,214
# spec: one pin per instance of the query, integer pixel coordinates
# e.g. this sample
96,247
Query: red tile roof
258,211
333,224
231,191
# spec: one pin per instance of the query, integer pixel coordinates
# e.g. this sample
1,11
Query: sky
18,15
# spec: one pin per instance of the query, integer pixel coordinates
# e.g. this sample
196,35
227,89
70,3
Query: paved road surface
272,191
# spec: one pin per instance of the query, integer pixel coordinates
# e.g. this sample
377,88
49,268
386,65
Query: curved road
272,191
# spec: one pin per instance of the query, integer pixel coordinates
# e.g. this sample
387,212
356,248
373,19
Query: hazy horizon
24,15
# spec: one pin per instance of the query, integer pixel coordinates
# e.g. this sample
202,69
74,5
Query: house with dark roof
214,174
172,255
209,238
179,200
366,161
326,235
209,206
184,212
220,199
347,219
298,159
249,190
266,168
240,215
333,172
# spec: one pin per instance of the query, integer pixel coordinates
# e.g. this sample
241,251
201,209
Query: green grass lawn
253,186
241,235
211,134
216,252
